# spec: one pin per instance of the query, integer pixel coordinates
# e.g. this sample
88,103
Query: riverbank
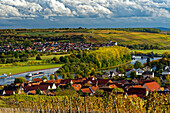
22,69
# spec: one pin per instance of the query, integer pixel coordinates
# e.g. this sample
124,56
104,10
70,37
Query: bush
99,92
44,77
51,77
38,57
20,80
23,59
133,74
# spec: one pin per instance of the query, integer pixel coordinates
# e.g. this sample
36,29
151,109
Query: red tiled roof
112,86
33,92
104,81
153,86
132,96
41,87
94,88
37,79
9,92
86,90
77,87
76,81
137,86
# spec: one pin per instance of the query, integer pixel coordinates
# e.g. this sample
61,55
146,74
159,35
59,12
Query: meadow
24,67
104,36
21,69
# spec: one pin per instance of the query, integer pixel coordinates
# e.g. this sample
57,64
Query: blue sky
84,13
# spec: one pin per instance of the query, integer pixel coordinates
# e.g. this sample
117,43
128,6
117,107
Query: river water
10,79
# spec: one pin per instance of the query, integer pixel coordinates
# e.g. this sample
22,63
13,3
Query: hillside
87,36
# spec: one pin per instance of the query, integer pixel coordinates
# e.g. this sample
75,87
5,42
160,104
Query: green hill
88,36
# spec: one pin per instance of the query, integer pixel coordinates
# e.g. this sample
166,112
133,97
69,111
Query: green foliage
38,57
87,63
133,74
44,77
130,66
157,79
51,77
118,90
167,54
56,77
150,30
38,91
20,80
137,65
27,43
99,92
66,92
148,62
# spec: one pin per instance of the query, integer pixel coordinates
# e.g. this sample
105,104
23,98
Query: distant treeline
150,30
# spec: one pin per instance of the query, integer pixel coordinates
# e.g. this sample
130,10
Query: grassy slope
122,37
21,69
154,51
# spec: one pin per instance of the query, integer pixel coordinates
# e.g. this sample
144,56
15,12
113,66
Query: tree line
150,30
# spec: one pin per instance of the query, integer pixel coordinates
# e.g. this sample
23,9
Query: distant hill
87,36
163,28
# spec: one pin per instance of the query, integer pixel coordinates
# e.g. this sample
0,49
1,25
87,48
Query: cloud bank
27,9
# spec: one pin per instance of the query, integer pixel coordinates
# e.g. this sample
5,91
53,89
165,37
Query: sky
84,13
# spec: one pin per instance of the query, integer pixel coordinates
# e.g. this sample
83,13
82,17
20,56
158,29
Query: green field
96,36
8,68
21,69
148,51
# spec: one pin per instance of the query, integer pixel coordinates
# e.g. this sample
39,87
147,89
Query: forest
86,63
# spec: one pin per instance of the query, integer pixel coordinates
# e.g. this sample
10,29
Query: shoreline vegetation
155,51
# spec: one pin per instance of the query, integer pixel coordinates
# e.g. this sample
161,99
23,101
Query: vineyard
109,103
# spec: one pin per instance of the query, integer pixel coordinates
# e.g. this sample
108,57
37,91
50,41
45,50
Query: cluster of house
53,46
89,85
146,72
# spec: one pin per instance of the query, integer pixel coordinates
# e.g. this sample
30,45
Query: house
76,87
2,92
151,86
36,87
31,92
147,68
128,71
166,70
9,92
138,71
103,82
149,74
37,80
138,90
88,91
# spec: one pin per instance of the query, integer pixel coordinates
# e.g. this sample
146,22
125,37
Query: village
139,86
51,46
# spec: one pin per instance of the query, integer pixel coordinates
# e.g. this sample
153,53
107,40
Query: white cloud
84,8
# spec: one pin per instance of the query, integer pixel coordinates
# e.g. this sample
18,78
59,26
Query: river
10,79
